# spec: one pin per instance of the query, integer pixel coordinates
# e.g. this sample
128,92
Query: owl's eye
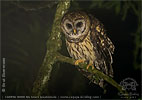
69,26
79,24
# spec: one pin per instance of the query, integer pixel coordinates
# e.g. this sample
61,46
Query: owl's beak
74,31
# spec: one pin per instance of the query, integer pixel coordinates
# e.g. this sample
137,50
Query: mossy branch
53,45
94,71
52,55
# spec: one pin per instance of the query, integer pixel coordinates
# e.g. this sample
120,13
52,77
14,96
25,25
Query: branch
94,71
53,45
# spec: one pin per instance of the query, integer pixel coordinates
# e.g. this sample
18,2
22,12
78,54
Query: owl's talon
79,61
89,66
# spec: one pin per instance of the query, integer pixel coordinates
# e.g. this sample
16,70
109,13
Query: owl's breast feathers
82,50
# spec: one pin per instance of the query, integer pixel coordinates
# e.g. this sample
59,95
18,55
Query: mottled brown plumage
86,39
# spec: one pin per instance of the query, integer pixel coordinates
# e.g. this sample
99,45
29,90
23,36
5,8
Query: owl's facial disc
75,26
77,31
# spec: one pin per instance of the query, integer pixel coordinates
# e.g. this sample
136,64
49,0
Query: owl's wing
103,47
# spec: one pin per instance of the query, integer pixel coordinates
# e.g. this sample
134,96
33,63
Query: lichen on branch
53,45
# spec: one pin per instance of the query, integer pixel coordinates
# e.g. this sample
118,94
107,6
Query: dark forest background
24,31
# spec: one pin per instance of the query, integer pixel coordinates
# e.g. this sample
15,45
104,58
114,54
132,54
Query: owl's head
75,25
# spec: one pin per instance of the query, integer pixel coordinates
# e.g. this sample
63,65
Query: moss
53,44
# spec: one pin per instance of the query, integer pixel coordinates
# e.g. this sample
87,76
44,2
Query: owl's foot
90,65
82,61
79,61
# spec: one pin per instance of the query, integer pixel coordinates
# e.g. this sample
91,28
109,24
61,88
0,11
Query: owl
86,41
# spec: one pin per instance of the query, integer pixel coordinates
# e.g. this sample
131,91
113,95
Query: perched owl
86,41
